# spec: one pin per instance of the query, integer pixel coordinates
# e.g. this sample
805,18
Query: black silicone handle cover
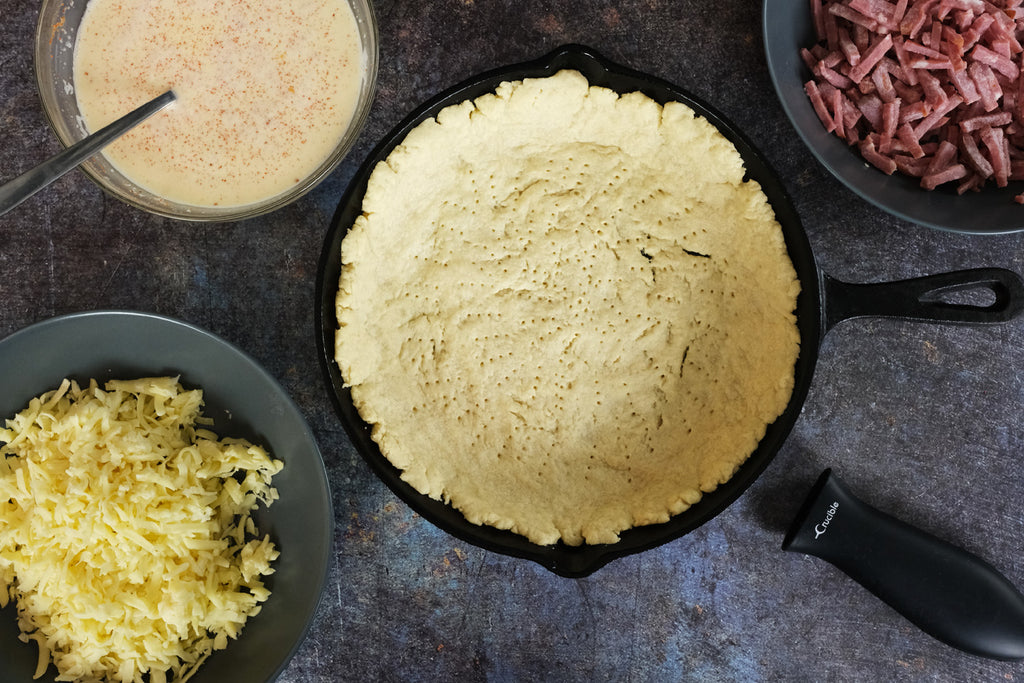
949,593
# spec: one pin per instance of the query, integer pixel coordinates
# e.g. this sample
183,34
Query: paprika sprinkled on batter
265,91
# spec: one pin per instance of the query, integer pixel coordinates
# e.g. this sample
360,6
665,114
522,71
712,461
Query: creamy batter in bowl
260,152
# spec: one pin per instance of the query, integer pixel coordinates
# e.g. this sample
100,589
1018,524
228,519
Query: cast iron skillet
822,303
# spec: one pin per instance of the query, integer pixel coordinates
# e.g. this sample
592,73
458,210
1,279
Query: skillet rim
562,559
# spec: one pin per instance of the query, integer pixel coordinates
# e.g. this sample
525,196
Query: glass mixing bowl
55,38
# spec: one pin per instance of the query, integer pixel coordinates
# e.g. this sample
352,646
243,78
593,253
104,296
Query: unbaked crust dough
564,312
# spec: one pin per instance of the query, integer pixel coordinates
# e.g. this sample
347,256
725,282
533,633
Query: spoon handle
28,183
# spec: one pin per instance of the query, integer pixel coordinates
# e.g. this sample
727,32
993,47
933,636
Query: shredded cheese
126,536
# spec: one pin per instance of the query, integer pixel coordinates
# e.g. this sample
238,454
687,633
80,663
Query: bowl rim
101,172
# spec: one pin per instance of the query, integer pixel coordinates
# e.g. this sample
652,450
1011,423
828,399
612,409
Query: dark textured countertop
923,421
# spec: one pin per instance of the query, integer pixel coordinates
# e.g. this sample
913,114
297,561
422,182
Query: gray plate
787,28
244,401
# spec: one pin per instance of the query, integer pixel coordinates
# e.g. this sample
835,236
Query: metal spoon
27,184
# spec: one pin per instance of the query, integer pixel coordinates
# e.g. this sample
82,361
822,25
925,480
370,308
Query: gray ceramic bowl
244,401
787,28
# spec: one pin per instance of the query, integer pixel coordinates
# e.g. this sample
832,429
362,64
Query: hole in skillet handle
561,559
979,296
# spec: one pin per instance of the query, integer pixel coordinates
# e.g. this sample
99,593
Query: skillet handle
927,298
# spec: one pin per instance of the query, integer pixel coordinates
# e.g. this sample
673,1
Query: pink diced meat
932,89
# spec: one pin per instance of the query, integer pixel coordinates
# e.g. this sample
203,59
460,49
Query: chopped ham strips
818,102
932,180
932,89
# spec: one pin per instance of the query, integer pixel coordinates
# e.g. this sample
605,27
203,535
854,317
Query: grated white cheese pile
125,531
